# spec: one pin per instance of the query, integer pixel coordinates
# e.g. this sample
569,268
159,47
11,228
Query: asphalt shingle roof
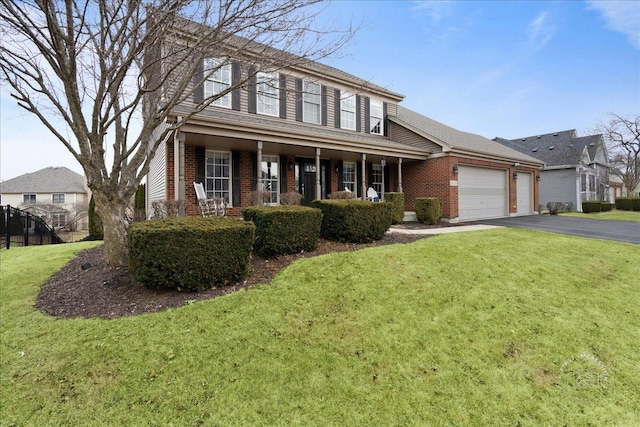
48,180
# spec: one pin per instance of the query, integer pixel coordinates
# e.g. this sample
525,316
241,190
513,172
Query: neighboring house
576,168
314,129
55,193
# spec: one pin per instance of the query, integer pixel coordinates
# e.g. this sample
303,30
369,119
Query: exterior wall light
515,175
455,169
538,177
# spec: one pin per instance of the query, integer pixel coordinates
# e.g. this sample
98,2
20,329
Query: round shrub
354,221
428,210
397,200
190,253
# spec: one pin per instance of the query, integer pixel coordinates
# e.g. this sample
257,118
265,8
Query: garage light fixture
455,169
515,175
538,177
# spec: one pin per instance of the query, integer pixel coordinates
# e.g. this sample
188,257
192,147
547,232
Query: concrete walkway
441,230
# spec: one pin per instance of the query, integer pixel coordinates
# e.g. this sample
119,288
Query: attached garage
525,193
482,193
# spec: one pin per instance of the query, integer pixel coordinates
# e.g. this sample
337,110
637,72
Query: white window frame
349,178
269,182
311,102
29,198
217,81
56,222
376,119
214,164
376,178
268,94
348,110
60,196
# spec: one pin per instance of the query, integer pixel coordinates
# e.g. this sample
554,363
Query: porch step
410,216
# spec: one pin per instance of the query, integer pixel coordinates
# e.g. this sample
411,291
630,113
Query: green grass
613,215
497,327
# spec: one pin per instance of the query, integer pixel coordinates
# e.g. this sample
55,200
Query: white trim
345,107
268,88
215,71
308,96
379,105
211,194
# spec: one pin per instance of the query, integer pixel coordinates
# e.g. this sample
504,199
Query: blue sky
498,68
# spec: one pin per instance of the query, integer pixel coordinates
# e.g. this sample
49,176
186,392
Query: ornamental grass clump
284,229
189,253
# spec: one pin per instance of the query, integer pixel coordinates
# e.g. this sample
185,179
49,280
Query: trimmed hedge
605,206
589,206
284,229
628,203
397,200
428,210
189,253
354,221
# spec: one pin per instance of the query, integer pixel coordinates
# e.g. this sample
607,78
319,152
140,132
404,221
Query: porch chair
372,195
209,207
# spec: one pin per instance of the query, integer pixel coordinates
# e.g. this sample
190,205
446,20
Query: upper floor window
218,175
312,102
349,176
269,175
218,80
375,117
28,198
57,197
268,90
348,111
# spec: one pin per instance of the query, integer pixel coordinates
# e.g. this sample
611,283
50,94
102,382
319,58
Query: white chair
209,207
372,195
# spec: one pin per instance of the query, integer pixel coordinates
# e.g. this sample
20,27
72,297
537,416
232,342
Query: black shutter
253,93
323,105
340,176
384,119
299,97
235,79
283,174
367,115
337,105
200,165
327,177
370,174
386,178
283,96
358,114
254,171
358,178
235,183
198,93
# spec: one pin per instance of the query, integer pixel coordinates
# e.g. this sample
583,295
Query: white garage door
524,186
482,193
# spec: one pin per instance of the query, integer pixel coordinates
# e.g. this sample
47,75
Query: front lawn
613,215
496,327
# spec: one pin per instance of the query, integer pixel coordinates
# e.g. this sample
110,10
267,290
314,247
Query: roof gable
47,180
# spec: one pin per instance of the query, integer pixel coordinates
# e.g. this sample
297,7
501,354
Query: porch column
400,175
259,167
318,183
383,163
364,176
181,187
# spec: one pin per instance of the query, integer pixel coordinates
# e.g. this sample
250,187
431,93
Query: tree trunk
112,214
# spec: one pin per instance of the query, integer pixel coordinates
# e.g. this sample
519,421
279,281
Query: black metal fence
21,228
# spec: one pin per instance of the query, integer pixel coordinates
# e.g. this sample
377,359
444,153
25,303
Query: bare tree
105,76
622,136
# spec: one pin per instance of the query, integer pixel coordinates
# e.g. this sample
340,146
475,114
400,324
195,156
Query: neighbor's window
218,175
376,178
57,197
28,198
348,111
311,101
269,174
268,89
349,176
218,80
376,125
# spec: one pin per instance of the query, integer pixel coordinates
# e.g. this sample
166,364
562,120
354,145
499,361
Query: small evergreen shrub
139,204
95,223
628,203
189,253
397,200
428,210
605,206
354,221
284,229
589,206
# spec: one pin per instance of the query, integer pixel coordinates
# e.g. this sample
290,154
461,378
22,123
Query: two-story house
314,129
57,194
576,168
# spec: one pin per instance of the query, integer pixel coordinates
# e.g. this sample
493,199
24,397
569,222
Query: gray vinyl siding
558,186
404,136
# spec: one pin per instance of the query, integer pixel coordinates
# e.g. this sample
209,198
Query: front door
308,183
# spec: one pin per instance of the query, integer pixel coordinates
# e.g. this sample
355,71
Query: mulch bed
109,294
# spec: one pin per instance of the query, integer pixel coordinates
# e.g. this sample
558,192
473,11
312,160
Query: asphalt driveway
621,231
